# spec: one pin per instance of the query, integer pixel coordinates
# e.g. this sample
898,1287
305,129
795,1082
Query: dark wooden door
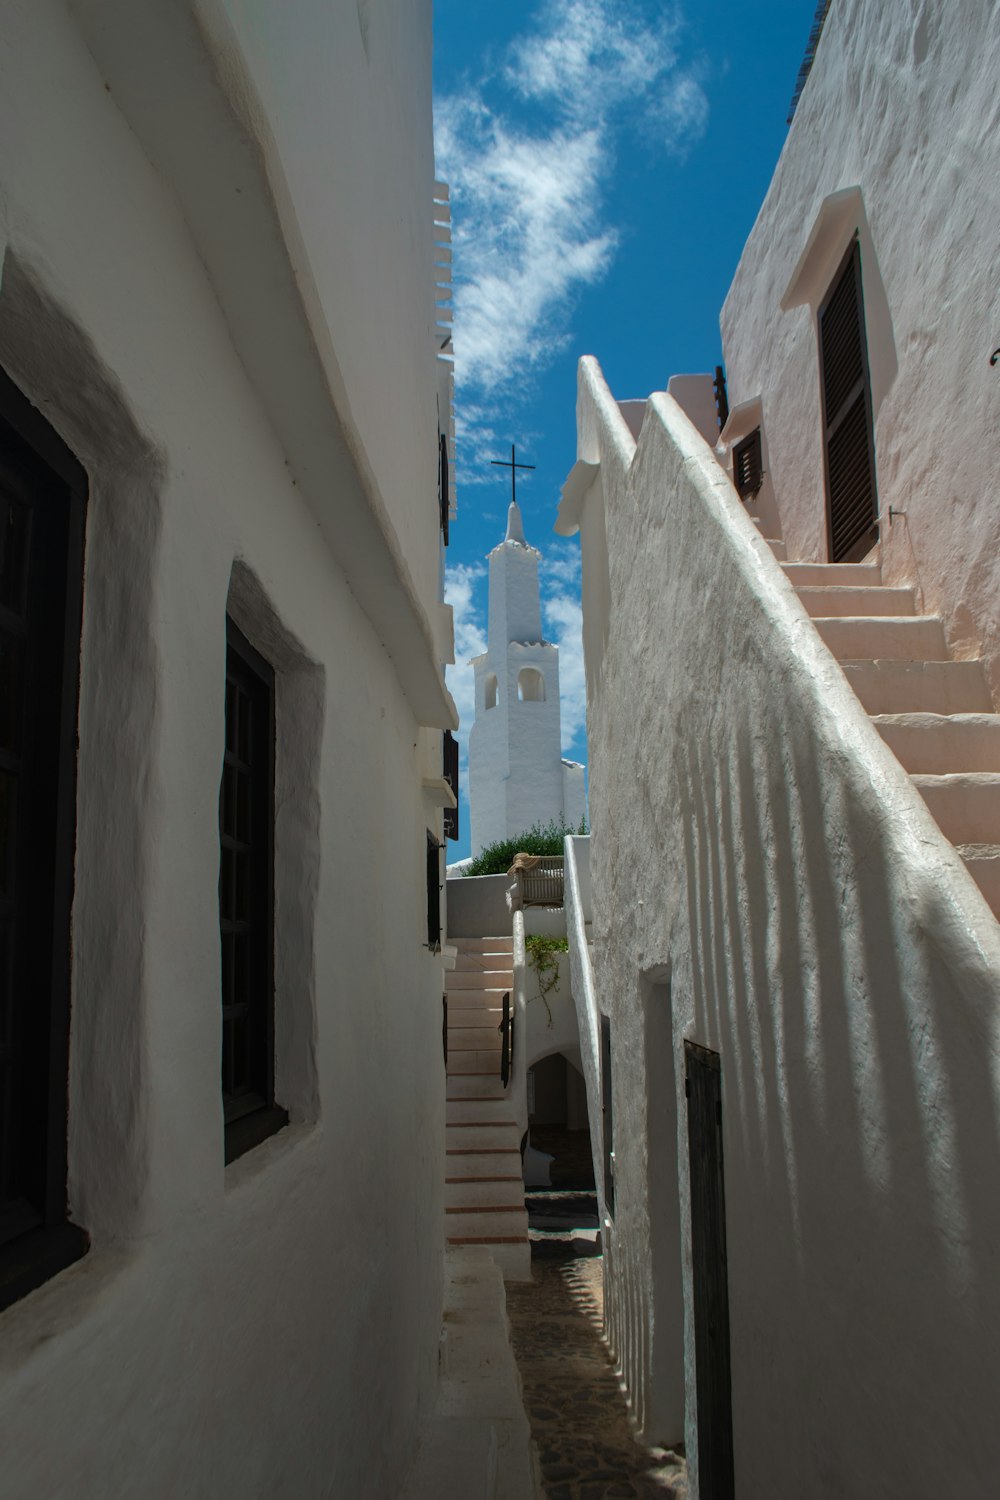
607,1118
711,1290
848,432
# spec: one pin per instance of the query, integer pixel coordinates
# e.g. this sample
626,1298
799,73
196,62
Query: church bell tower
517,776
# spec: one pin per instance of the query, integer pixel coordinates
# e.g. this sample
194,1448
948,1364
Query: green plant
541,952
542,838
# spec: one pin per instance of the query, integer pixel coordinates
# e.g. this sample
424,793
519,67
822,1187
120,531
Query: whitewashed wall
268,1328
901,104
767,882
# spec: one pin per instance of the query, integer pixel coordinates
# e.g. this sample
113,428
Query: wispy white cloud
529,173
563,617
461,581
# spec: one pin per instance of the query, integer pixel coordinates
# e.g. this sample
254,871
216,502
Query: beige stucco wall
767,882
901,103
270,1328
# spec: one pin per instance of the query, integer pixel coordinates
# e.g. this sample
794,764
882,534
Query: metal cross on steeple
513,466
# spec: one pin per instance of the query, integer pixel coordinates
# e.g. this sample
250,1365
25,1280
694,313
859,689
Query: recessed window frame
246,899
36,1239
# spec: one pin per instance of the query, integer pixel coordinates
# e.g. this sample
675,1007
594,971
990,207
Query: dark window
451,777
433,893
748,469
246,899
849,441
42,507
444,495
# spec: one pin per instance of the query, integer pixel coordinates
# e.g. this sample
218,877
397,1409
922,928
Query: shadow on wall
863,1128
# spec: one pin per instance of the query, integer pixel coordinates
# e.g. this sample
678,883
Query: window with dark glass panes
42,506
246,904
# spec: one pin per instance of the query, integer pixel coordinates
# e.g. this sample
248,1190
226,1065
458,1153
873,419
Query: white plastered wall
901,105
763,870
269,1328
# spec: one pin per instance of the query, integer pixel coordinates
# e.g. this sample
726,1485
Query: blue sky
607,159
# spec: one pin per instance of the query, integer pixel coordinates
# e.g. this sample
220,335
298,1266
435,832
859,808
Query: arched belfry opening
530,685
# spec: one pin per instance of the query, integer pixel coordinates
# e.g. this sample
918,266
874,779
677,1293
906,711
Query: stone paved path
579,1420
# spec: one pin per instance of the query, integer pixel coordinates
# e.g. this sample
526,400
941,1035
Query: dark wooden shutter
506,1030
852,504
709,1275
607,1118
721,396
43,494
444,492
433,893
748,467
451,777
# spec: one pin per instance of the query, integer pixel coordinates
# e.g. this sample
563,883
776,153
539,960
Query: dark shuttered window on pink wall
849,447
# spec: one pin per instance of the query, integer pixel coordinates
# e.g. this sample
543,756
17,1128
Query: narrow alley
583,1435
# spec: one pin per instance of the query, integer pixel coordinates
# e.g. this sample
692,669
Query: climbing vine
542,956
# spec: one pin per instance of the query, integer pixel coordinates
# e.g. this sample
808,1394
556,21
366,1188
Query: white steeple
515,526
517,776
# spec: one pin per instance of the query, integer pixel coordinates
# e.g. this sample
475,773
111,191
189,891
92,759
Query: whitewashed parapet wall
217,286
895,138
767,882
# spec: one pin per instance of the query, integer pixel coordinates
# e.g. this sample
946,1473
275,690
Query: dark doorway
848,429
711,1292
608,1121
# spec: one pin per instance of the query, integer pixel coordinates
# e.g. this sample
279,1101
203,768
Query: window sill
34,1258
250,1130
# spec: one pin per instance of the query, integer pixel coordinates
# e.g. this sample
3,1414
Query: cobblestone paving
579,1420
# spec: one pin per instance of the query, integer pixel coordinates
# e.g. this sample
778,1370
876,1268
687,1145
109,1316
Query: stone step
825,603
470,962
497,1161
913,638
903,687
505,1222
484,1061
833,575
482,1192
473,1039
502,944
475,1137
474,1086
472,1111
941,743
498,978
470,1014
983,863
965,806
488,995
512,1254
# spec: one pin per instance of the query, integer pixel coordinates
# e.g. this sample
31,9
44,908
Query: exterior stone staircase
935,714
484,1188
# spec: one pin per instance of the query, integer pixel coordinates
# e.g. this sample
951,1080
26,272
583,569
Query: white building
221,1078
517,774
795,849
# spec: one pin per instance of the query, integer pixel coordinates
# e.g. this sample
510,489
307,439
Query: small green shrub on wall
496,859
542,954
